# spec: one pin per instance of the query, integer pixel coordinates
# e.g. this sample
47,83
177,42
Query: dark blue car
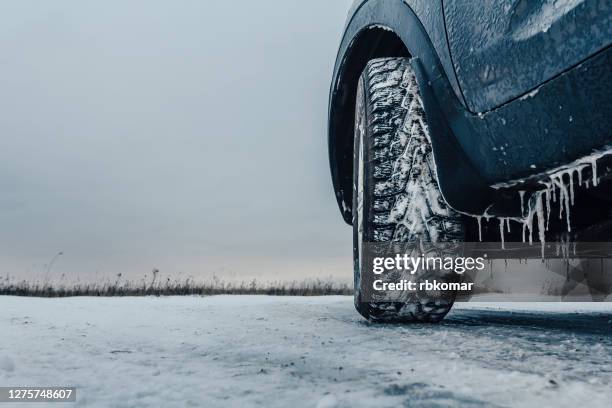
450,120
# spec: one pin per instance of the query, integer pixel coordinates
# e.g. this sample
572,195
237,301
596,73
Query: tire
396,197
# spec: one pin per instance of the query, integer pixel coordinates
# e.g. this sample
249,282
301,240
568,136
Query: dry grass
168,287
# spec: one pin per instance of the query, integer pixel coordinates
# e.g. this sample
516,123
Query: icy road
230,351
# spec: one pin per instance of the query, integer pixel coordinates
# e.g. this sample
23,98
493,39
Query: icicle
580,175
571,184
522,194
594,170
527,222
501,231
564,203
564,200
479,219
540,213
508,224
547,192
554,181
530,227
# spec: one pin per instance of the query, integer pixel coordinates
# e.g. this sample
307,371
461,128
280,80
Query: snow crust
380,27
233,351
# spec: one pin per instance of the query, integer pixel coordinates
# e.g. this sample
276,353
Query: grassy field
155,286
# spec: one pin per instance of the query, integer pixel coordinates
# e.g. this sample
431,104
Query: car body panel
565,118
502,49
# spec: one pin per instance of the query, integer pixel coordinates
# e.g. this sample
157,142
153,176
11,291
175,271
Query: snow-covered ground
230,351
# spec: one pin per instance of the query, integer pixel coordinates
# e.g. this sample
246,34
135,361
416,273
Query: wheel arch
371,42
387,28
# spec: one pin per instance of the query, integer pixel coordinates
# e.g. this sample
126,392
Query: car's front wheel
396,197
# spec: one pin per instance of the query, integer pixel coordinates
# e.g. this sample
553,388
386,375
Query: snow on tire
396,197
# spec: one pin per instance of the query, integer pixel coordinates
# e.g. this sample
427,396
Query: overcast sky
187,136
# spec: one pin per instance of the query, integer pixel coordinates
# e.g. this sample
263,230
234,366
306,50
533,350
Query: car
450,120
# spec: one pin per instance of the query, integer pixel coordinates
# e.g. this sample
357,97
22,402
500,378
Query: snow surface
241,351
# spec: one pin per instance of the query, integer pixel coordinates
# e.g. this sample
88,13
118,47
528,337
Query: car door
502,49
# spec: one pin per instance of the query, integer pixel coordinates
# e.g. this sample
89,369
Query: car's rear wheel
396,197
